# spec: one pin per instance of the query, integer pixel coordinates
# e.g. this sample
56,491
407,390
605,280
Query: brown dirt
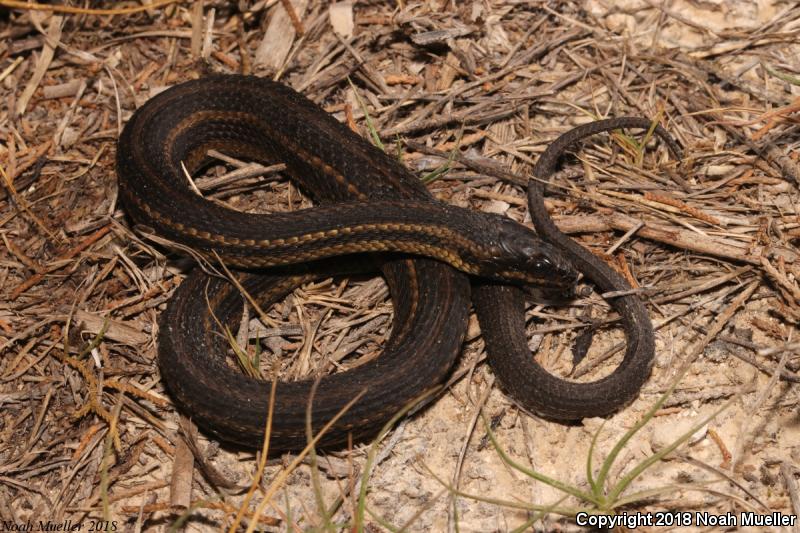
87,432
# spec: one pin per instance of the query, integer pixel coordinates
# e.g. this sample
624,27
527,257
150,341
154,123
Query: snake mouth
552,294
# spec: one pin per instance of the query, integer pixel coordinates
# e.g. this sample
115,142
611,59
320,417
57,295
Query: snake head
518,253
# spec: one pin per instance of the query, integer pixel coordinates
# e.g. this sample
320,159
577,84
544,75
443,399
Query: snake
370,214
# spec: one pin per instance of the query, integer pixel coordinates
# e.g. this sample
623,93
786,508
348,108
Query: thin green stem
644,465
615,451
373,452
563,487
376,139
589,466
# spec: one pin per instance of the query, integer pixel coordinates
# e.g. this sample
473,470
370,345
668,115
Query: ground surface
87,432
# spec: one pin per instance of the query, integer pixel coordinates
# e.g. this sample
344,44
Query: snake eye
543,263
519,248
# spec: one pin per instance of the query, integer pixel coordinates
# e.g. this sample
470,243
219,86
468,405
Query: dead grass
87,432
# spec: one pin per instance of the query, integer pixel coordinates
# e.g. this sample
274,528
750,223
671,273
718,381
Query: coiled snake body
367,202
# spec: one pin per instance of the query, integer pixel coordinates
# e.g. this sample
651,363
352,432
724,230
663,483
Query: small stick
60,262
787,471
298,25
20,201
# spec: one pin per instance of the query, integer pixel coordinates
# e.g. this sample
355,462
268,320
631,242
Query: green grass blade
618,447
316,483
373,133
445,168
536,517
564,511
780,75
245,363
563,487
358,527
596,488
644,465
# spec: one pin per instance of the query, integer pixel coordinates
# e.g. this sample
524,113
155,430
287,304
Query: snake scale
370,213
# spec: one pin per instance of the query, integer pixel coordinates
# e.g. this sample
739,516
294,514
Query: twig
60,262
25,6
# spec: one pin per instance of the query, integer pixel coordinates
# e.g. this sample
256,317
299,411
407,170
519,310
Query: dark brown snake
376,214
